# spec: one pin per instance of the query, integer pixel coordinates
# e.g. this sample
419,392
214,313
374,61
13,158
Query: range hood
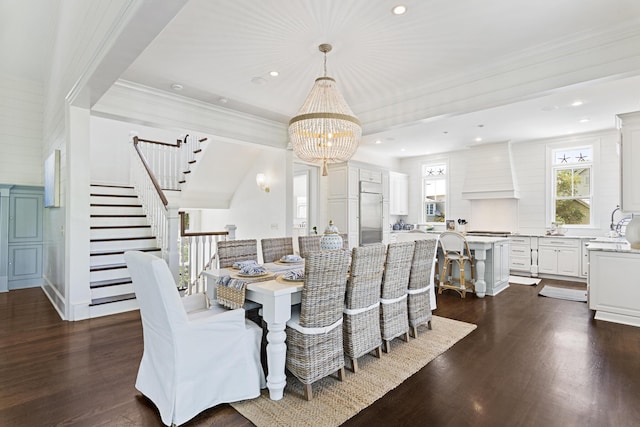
490,173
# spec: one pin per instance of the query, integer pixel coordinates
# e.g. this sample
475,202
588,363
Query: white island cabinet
614,284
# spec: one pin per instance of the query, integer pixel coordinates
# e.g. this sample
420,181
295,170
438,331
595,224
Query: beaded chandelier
325,129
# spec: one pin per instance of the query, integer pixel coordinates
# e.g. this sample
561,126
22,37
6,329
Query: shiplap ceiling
422,82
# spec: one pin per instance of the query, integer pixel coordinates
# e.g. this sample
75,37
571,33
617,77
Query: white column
76,206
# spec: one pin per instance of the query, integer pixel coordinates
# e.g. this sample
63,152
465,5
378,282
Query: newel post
171,245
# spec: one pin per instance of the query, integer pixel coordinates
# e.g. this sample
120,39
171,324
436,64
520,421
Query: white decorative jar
330,239
632,232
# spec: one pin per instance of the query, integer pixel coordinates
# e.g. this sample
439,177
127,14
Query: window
434,192
572,185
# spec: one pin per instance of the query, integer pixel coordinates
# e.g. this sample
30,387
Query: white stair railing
198,252
163,218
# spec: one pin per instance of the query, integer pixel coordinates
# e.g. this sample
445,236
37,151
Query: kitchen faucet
612,226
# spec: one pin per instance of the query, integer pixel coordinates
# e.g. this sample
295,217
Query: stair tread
116,205
103,267
130,196
107,300
117,216
115,239
112,186
121,251
111,282
115,227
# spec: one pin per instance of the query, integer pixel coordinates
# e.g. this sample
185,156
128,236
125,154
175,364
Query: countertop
612,246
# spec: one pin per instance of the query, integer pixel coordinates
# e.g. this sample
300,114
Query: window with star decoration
572,185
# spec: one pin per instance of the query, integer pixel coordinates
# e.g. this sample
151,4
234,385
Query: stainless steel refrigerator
370,212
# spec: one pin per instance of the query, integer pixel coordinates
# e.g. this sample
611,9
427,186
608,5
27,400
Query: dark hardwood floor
532,361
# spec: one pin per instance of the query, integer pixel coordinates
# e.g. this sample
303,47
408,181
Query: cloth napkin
294,275
241,264
230,283
253,270
291,258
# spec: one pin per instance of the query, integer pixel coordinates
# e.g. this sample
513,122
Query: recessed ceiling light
577,103
378,141
399,9
176,86
478,139
480,126
445,132
585,120
403,150
274,73
258,81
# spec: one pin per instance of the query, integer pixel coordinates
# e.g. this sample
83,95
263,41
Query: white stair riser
119,273
111,190
123,244
113,308
118,221
112,200
112,259
116,210
111,291
113,233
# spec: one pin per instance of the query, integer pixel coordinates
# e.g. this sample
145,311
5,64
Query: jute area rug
334,402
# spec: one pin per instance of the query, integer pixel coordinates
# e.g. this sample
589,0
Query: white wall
21,160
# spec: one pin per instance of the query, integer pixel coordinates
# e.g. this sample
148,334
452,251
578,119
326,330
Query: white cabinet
559,256
629,160
613,286
520,254
398,193
371,176
584,272
498,271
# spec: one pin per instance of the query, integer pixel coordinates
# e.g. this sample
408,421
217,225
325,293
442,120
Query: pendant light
325,129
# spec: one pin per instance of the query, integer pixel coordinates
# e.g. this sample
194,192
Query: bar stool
456,250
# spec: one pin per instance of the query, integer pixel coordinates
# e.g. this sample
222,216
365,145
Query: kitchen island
491,256
613,285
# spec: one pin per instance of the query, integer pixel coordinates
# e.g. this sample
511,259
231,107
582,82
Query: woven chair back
230,251
397,269
325,281
422,263
365,278
308,244
275,248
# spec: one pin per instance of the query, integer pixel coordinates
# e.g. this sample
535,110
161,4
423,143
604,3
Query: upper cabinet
629,161
398,193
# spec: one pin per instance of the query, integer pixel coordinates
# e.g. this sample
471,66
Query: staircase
118,224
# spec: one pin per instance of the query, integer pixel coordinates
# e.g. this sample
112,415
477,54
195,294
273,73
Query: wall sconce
261,180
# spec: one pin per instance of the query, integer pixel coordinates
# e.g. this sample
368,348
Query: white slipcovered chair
194,357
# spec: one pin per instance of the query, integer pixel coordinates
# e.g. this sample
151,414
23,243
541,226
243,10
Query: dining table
276,296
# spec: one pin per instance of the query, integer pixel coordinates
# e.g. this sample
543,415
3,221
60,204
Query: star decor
430,172
582,158
564,158
440,171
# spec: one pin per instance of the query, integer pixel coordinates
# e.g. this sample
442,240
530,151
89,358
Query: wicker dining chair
275,248
361,327
456,250
314,332
230,251
420,282
394,317
308,244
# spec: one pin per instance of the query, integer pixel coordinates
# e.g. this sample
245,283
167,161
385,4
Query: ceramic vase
330,239
632,232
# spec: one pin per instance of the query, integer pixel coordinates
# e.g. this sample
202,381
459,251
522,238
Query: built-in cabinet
613,286
21,220
629,161
498,266
398,193
559,256
520,254
343,197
